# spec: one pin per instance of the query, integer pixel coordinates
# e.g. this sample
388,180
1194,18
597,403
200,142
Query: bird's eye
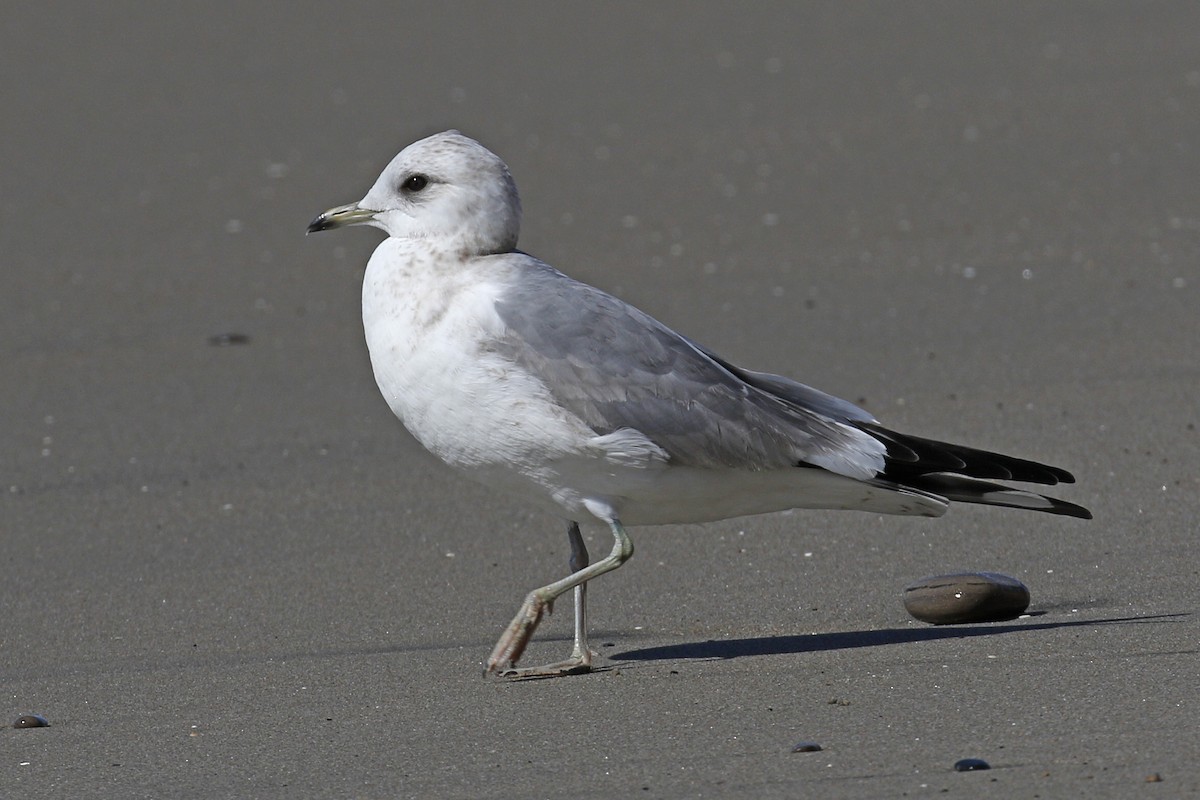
415,183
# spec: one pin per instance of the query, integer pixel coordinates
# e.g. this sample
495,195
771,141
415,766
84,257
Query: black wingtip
1066,509
909,456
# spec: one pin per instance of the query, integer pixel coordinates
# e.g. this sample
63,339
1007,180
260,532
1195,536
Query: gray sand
230,573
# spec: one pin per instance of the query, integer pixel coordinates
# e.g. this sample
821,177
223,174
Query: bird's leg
579,560
518,633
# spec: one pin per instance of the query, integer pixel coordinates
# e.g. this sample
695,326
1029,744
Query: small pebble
31,721
966,597
1154,777
228,339
970,765
806,747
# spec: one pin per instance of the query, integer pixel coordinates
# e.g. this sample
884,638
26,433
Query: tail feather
970,490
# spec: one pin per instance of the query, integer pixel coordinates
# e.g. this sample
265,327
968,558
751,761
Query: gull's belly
687,494
472,414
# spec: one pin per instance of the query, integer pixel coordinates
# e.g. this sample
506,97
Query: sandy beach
230,572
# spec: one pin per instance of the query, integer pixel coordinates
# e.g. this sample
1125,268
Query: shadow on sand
820,642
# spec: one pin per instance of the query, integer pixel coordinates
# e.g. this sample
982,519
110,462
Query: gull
557,392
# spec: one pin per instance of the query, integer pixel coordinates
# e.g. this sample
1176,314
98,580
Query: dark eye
415,183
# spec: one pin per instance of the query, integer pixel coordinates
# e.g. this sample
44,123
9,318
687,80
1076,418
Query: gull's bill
341,217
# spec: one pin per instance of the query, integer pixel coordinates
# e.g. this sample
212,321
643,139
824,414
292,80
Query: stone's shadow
820,642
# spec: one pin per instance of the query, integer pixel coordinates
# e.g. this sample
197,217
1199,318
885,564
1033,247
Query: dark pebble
31,721
228,339
970,765
806,747
966,597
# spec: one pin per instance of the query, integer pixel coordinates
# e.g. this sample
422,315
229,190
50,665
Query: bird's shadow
723,649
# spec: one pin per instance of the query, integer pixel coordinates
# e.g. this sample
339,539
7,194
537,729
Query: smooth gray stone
31,721
966,597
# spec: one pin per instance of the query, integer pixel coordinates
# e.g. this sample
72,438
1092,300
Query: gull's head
447,188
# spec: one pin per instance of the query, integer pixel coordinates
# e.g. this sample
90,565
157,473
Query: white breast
428,330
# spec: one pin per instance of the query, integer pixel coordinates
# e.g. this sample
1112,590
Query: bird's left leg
518,633
580,653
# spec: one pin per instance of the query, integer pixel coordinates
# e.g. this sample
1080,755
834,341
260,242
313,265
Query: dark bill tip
340,217
320,223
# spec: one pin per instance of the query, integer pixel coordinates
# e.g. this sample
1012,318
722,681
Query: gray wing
794,391
616,367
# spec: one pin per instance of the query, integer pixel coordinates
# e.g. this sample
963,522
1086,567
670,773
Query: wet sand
230,573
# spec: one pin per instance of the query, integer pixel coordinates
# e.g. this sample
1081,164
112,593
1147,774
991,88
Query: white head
447,188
